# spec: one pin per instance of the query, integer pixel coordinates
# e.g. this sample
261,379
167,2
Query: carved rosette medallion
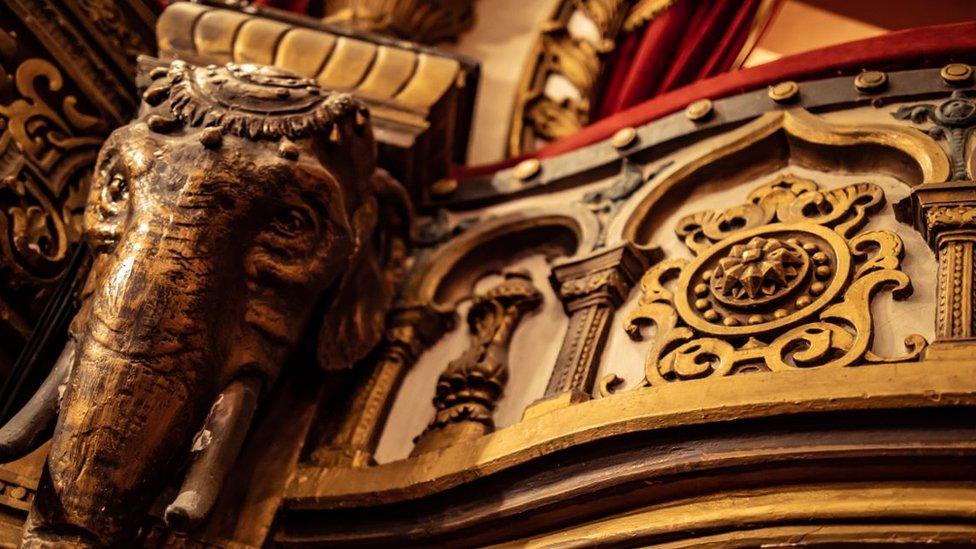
783,281
763,279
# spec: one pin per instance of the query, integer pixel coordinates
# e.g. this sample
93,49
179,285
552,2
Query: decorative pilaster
946,215
471,385
591,290
411,330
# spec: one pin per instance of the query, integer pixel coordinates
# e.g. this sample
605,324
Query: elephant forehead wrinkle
104,338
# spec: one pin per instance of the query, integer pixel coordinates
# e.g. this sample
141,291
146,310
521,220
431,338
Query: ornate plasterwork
577,54
782,281
947,217
606,202
46,146
470,386
564,53
952,121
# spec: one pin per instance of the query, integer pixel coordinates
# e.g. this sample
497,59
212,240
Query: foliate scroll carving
953,121
606,203
783,281
47,144
471,385
951,217
609,281
579,60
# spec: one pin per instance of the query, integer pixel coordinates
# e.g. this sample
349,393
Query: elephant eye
114,193
292,223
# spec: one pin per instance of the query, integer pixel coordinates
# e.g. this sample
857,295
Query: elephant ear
354,322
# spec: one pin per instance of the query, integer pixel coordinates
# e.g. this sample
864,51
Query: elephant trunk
137,394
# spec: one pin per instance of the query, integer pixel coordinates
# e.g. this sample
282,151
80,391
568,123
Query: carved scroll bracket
411,329
471,385
591,289
952,121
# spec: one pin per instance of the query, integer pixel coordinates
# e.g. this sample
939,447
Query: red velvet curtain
691,40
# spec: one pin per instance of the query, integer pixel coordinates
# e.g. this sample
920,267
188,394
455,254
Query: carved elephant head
239,216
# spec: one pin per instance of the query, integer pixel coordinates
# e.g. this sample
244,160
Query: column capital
606,276
938,209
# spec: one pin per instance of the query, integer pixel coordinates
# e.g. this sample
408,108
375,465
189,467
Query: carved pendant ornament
471,385
783,281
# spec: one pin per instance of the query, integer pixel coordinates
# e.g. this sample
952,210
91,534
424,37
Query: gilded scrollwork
783,281
948,217
579,60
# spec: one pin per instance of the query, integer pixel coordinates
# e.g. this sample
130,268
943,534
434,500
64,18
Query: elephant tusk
217,445
33,424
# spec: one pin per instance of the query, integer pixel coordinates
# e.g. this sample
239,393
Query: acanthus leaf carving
47,145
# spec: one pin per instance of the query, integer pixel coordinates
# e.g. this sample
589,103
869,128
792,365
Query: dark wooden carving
471,385
411,329
240,209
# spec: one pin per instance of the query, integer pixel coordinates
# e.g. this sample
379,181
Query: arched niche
449,274
793,137
447,279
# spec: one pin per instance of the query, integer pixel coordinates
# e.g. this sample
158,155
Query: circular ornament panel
763,279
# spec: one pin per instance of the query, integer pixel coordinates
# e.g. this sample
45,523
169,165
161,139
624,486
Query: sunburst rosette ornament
781,282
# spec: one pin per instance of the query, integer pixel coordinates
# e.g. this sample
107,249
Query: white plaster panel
502,38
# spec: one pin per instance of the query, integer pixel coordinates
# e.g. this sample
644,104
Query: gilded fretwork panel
782,281
766,263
